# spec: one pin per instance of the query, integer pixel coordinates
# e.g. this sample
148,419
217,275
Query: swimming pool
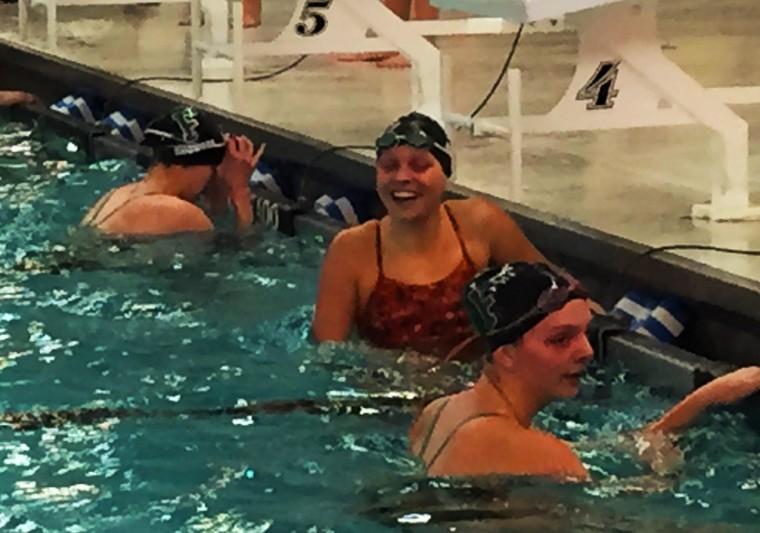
170,331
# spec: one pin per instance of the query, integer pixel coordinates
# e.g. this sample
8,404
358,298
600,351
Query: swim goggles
417,138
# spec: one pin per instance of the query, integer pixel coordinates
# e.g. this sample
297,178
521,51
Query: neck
420,234
159,180
513,394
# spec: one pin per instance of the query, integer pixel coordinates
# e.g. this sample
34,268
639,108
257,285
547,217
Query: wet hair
419,131
185,137
505,303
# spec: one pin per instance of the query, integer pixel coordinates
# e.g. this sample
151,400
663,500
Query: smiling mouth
404,196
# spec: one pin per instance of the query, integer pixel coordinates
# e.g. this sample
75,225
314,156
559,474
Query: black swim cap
419,131
186,137
505,303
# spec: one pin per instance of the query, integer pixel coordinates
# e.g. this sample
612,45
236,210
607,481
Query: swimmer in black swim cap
534,320
399,281
191,157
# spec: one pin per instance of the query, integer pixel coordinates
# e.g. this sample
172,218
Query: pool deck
638,184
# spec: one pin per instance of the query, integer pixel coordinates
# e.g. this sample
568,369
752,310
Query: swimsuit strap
459,426
455,225
379,250
121,205
98,207
431,427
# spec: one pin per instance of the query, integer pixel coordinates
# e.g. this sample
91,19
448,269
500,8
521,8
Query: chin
568,392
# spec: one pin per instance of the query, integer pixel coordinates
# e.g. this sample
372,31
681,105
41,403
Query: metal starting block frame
358,26
623,80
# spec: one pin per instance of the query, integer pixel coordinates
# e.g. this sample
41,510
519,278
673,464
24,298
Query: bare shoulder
352,246
476,210
496,445
355,236
158,214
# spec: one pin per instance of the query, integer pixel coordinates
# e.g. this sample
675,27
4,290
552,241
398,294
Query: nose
585,352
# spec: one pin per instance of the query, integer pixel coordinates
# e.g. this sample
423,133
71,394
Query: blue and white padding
126,127
666,321
340,209
635,307
663,319
78,107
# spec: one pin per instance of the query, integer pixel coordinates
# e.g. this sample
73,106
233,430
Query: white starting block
359,26
51,8
623,80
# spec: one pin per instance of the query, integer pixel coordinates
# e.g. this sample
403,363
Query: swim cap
419,131
505,303
185,137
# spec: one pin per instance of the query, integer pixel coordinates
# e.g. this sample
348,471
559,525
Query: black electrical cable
670,247
260,77
504,69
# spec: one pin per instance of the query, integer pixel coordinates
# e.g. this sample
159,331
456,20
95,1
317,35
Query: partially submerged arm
727,389
337,298
16,97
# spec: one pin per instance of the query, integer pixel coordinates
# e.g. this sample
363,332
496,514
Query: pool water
171,330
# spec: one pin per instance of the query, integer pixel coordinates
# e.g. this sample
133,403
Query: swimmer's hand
238,163
16,97
727,389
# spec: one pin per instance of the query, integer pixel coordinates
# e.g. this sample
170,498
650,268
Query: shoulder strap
455,225
97,208
431,427
124,204
379,249
459,426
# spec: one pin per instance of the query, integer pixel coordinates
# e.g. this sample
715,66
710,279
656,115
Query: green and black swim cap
505,303
186,137
418,131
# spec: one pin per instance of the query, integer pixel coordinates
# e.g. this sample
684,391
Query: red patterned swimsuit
428,318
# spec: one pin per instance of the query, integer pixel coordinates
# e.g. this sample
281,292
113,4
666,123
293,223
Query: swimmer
535,321
399,281
192,158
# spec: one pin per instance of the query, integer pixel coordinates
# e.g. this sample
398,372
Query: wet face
410,182
553,355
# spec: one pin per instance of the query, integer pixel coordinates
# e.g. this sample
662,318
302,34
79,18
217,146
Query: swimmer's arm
241,203
337,298
507,242
16,97
726,389
235,170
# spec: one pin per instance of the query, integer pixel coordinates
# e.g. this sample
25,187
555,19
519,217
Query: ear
504,356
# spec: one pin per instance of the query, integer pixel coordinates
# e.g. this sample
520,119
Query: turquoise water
177,328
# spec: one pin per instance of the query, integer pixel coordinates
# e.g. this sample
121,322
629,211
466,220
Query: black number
312,21
600,88
266,211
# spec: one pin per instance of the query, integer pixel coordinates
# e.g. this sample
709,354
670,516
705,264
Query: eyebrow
557,330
